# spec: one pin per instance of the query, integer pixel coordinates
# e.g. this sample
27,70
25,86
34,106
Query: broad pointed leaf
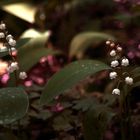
69,76
13,104
21,42
85,104
34,49
135,72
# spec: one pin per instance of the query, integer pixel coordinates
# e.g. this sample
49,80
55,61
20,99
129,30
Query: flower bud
108,42
113,53
119,49
112,45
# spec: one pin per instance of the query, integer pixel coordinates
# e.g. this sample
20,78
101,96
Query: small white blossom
114,63
2,35
113,75
129,80
22,75
112,45
116,91
2,26
125,62
113,53
119,49
12,42
9,37
3,49
14,65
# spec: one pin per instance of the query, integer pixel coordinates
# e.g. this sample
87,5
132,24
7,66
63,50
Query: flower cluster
8,46
117,63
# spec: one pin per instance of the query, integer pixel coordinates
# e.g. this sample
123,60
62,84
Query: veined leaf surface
13,104
69,76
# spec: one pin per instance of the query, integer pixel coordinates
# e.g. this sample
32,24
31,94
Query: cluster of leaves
55,26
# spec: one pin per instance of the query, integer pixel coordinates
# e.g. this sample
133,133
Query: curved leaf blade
83,40
135,72
13,104
21,42
69,76
34,49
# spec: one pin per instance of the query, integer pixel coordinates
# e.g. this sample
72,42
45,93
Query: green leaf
34,49
83,40
85,104
137,84
44,115
63,121
96,121
135,72
21,42
109,99
13,104
69,76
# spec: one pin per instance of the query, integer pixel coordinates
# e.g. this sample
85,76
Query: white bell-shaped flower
129,80
125,62
116,91
113,75
114,63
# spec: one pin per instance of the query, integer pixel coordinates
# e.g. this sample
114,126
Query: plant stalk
126,124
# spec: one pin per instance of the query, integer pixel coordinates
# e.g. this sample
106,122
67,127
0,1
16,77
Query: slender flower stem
126,125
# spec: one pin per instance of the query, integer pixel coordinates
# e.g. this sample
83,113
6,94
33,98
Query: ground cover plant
69,70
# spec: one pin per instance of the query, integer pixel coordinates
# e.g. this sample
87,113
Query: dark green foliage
69,76
13,104
96,121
